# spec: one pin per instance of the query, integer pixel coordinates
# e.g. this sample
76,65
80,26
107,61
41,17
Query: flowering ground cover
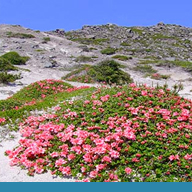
39,95
114,134
33,93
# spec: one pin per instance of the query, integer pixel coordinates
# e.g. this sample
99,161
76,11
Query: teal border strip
95,187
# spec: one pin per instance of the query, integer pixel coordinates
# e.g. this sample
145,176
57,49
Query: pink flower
77,149
188,157
83,169
128,170
39,170
2,120
60,162
100,167
135,160
161,91
138,155
71,156
54,154
93,174
187,136
86,102
87,158
105,98
86,180
114,154
99,141
65,170
57,108
132,85
172,157
43,96
143,93
106,159
177,157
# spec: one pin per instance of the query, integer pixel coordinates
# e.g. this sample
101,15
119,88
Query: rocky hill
162,41
156,54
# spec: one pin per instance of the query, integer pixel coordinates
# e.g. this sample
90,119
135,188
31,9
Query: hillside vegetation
7,62
107,72
124,133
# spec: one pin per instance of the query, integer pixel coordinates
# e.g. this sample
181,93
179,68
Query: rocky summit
156,54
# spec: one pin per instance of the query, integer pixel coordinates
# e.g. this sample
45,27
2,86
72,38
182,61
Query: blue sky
73,14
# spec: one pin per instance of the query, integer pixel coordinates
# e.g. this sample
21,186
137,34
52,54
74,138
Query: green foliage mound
5,65
107,71
14,58
6,78
108,51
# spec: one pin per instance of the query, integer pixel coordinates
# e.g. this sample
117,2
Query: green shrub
148,61
5,65
136,30
83,58
108,51
6,78
46,39
145,69
125,44
14,58
121,57
107,71
20,35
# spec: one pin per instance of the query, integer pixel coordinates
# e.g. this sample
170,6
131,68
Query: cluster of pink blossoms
92,139
2,120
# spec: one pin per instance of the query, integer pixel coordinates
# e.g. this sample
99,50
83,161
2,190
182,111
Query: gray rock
48,65
35,46
170,59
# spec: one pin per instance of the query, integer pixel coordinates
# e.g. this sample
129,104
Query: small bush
46,39
20,35
121,57
107,71
5,65
6,78
83,58
145,69
148,61
125,44
108,51
14,58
